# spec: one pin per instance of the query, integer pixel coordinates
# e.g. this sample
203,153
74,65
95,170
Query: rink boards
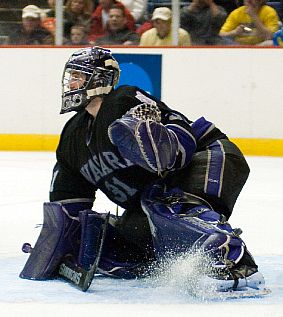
239,89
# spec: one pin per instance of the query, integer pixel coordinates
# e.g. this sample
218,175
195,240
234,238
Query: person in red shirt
100,17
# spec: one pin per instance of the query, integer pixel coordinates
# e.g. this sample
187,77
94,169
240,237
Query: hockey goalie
177,181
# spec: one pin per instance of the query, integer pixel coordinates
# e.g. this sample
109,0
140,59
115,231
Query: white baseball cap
31,11
162,13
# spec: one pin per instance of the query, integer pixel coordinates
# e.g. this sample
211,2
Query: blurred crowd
148,23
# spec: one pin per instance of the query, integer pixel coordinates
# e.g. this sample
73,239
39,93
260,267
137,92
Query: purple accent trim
200,127
214,172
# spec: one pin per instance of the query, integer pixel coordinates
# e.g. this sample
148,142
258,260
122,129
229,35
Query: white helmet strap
98,91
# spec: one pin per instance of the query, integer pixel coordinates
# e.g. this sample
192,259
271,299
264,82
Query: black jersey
87,160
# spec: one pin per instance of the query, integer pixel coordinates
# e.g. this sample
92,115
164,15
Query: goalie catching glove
144,140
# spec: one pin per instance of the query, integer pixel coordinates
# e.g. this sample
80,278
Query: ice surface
24,184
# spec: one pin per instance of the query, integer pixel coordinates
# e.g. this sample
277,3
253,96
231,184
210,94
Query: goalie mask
88,73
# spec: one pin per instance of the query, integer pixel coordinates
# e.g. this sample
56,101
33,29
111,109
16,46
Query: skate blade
238,294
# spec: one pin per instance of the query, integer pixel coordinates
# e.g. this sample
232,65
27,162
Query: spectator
118,32
100,18
137,8
30,32
203,20
78,36
161,33
254,23
77,12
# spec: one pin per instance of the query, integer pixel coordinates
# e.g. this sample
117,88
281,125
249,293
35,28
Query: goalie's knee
177,228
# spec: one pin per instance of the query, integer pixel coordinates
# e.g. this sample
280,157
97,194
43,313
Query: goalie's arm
187,144
142,138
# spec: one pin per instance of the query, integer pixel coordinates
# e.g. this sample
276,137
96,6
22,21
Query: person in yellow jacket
161,33
254,23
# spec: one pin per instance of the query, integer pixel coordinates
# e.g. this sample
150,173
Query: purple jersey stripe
215,169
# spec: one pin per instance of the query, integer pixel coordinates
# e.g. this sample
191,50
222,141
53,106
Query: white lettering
130,191
70,274
113,160
95,169
105,170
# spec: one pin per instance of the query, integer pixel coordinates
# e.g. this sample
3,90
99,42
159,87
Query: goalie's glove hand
145,111
144,140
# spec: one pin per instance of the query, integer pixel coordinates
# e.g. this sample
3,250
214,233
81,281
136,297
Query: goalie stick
79,276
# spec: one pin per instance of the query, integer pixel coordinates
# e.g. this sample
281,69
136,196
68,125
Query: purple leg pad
59,236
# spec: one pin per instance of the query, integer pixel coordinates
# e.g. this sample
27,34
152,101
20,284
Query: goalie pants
217,174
